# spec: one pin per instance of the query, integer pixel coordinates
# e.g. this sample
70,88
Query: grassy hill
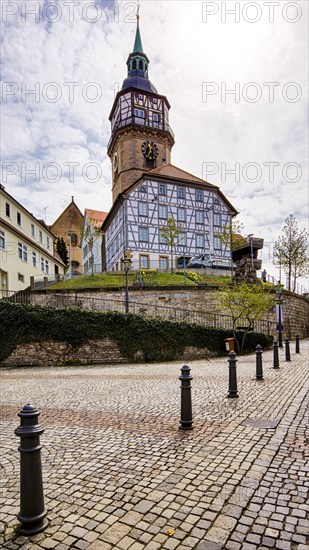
141,278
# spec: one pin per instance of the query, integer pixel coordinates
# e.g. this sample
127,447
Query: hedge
155,338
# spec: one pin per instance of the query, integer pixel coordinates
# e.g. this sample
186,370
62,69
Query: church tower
141,138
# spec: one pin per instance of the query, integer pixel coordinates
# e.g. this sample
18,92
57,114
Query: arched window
134,65
141,65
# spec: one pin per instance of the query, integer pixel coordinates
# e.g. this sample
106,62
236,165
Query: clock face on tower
150,150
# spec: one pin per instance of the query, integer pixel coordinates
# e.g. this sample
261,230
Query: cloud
67,62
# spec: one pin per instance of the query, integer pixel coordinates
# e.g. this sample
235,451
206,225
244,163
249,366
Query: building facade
69,226
148,190
26,247
93,241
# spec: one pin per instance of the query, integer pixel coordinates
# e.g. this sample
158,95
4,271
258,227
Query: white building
137,216
26,247
92,241
148,189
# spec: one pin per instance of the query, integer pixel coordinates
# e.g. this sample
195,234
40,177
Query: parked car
183,262
208,260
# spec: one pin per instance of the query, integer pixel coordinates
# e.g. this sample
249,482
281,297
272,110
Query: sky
234,72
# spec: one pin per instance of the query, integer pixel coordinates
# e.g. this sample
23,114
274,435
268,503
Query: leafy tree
62,251
245,304
231,234
170,233
291,251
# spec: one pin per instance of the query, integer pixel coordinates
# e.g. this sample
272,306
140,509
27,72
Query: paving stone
225,485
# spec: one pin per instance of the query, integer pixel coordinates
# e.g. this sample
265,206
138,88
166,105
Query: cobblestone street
118,473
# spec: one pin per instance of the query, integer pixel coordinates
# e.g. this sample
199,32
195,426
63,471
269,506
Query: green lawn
107,280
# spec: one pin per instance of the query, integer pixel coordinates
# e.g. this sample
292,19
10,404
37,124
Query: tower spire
138,46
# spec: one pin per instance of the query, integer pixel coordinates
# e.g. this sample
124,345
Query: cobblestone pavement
118,472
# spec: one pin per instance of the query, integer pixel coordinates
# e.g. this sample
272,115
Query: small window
73,239
34,259
2,239
143,189
48,243
182,239
199,241
42,264
139,113
162,189
7,209
199,195
217,243
85,251
217,220
199,216
181,192
18,217
163,263
181,214
141,65
47,267
22,252
144,261
134,65
143,234
143,209
216,201
32,230
162,212
41,236
21,277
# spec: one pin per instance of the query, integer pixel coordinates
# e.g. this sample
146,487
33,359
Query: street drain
261,423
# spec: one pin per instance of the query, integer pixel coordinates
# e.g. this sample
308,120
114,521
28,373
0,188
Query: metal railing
216,320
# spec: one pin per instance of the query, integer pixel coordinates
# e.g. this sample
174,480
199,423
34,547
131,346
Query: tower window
134,65
141,66
139,113
73,239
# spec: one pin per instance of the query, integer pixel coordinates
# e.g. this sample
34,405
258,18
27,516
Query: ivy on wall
155,339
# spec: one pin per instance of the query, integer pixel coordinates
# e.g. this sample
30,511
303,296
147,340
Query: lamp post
279,316
126,262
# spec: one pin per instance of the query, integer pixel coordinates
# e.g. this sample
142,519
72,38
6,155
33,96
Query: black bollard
186,420
276,355
297,344
232,375
32,511
287,350
259,363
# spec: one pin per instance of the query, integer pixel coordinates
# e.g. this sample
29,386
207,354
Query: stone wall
59,353
295,308
92,352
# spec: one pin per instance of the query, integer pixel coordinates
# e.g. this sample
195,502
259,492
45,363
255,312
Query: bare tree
291,252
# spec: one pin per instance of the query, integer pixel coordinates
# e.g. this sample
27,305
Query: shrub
154,338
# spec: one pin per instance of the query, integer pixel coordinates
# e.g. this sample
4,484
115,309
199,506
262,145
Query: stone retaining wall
295,308
92,352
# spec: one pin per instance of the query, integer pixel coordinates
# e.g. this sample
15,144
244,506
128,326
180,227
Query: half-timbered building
148,190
